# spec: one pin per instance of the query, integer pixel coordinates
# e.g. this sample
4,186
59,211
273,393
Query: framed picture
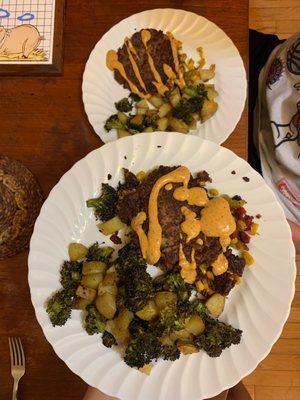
31,37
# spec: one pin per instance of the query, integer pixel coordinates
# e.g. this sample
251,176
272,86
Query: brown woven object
20,202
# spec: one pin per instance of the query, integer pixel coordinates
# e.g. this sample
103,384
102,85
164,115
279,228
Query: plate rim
292,257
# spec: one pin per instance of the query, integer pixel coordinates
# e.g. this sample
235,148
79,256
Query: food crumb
108,177
246,179
233,172
258,216
125,157
158,147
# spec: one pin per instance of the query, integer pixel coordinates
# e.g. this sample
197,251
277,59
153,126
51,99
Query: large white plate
100,90
259,305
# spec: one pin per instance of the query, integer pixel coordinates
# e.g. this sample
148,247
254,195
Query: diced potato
106,305
108,285
164,299
215,304
178,125
193,124
211,92
164,110
195,325
175,99
122,117
149,312
182,334
142,107
208,110
121,133
111,226
186,348
162,124
86,293
207,74
80,303
124,318
77,251
93,267
156,101
149,129
196,116
150,113
254,228
92,280
146,369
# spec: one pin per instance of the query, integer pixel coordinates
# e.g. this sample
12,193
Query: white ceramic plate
259,305
100,90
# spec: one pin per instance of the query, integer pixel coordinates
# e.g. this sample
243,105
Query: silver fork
17,359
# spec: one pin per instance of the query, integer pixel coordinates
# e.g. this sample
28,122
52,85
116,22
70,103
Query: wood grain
43,124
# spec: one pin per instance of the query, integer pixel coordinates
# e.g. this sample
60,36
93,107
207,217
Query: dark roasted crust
236,264
223,283
159,48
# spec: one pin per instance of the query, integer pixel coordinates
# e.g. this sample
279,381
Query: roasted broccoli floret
104,205
123,105
169,352
174,283
169,321
97,253
142,350
151,120
70,274
94,321
138,326
195,91
187,107
216,337
59,307
134,281
108,339
113,122
135,97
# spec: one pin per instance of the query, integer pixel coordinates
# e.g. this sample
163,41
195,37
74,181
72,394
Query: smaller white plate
100,91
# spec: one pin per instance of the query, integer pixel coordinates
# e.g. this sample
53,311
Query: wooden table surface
43,124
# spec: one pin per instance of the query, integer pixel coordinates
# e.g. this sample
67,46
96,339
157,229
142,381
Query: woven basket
20,202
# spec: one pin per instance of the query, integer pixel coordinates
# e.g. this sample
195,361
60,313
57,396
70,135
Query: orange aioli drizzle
188,270
112,63
169,72
174,46
190,226
130,50
220,265
161,88
150,244
195,196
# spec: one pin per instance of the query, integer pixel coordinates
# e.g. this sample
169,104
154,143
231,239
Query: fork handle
15,389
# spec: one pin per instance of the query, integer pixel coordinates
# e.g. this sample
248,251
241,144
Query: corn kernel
199,286
214,192
210,275
239,245
234,241
241,225
249,260
205,283
202,183
203,268
254,228
146,369
238,279
141,175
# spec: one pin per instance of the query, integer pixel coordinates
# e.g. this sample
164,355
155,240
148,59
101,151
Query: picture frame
24,66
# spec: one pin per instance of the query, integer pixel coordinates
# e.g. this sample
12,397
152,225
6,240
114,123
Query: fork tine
14,356
12,360
17,350
21,352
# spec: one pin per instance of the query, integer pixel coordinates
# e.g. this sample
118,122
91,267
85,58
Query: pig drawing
21,39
